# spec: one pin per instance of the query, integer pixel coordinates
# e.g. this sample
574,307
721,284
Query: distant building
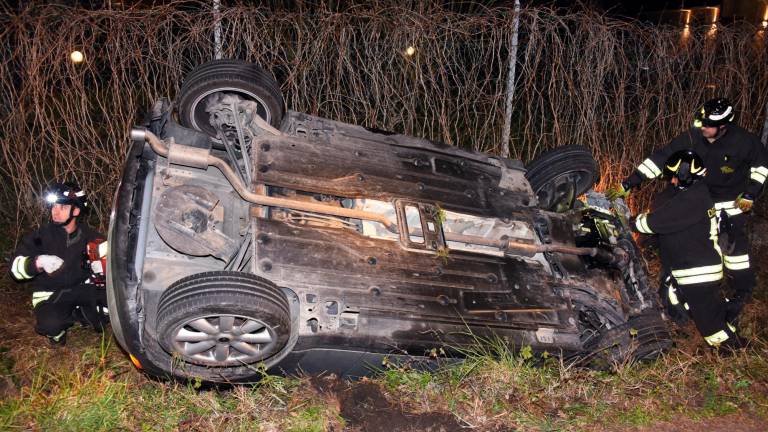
696,13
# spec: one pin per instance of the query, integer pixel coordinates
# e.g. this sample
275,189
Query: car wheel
642,338
230,77
560,175
223,319
650,336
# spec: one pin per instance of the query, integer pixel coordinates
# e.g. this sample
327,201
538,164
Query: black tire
228,76
642,338
560,175
651,336
256,314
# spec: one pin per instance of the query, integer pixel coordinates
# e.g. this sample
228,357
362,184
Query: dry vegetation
619,88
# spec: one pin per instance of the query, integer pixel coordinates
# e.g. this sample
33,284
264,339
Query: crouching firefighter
55,259
683,216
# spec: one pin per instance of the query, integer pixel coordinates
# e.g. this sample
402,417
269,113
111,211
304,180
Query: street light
76,56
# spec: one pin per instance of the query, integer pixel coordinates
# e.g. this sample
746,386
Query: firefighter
736,171
54,259
683,216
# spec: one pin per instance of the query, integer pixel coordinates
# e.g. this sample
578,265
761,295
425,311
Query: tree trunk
505,133
217,51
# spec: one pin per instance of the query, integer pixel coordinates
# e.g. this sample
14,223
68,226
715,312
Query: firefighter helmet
714,113
687,166
67,193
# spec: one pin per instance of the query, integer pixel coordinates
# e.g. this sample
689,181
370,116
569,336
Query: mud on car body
246,238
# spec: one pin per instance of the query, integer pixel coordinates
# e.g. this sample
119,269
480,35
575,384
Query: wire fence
620,88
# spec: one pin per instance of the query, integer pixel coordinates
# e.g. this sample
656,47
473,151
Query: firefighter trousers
707,308
736,258
54,311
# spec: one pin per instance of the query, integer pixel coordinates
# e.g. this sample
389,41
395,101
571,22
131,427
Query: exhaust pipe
199,158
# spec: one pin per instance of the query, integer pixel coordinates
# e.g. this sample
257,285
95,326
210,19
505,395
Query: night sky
622,7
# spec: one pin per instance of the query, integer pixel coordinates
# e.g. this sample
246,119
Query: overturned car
247,239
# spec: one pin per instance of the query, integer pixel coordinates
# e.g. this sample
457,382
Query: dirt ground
364,407
729,423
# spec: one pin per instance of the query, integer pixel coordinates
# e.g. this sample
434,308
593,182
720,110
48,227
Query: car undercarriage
246,238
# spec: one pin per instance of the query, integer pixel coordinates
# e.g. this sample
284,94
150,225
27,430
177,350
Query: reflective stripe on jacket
736,162
686,224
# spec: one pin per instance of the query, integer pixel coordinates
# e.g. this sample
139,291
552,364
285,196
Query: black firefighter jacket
687,228
735,162
53,240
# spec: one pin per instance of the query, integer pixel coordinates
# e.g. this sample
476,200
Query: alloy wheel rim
224,340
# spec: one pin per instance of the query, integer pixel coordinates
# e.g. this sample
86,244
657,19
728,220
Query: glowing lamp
76,56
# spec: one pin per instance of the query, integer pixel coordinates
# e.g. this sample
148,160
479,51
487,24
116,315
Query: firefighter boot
58,340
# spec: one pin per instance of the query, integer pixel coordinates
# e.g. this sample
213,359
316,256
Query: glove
48,263
97,268
745,202
621,190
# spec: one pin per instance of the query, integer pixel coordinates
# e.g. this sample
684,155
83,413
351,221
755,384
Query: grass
90,385
99,391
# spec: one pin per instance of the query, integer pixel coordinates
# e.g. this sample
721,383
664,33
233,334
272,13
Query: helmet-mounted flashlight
51,198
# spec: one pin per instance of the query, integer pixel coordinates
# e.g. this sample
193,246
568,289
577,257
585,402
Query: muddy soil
366,408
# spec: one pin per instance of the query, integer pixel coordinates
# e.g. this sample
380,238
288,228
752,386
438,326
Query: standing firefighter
736,171
55,259
683,216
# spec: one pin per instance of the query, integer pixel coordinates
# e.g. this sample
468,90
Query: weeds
90,385
494,386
